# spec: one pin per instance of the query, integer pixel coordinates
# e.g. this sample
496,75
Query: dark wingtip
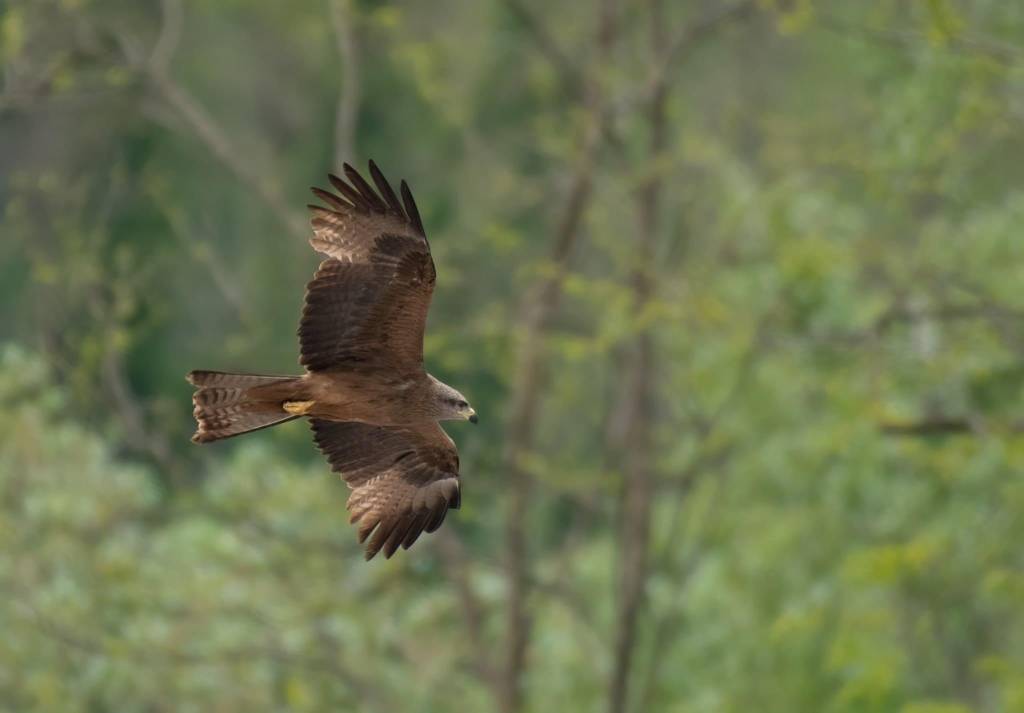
357,200
330,199
437,521
374,201
410,208
387,192
337,181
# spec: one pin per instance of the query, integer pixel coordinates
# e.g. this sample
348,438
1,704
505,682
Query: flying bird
373,408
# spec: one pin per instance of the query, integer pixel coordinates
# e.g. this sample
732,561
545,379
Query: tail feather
229,405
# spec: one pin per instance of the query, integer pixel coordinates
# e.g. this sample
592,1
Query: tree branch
213,137
343,19
1001,52
945,425
540,305
638,403
452,557
687,38
569,75
154,69
170,35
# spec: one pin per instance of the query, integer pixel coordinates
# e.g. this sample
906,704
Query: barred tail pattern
229,405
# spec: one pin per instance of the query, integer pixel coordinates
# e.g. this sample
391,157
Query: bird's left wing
368,301
403,480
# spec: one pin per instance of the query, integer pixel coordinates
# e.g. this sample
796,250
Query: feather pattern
368,301
403,480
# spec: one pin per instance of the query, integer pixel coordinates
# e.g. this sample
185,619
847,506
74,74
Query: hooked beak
472,416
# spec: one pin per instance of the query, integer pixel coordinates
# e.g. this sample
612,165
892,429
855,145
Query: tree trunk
638,404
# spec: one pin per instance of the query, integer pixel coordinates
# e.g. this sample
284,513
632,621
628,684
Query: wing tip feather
411,210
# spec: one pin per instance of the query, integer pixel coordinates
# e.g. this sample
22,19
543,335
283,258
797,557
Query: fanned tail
229,405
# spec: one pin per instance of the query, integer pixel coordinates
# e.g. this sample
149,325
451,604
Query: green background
736,289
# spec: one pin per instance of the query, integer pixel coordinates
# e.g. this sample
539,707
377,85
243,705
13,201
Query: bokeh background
735,286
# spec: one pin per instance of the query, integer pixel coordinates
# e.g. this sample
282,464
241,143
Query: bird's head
453,405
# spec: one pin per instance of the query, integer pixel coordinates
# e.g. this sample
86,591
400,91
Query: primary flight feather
373,407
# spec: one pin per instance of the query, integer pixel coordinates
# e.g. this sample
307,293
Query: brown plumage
373,407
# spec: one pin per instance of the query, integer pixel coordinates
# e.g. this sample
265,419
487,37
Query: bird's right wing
403,480
368,301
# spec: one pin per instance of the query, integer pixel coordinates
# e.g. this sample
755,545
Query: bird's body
367,396
373,407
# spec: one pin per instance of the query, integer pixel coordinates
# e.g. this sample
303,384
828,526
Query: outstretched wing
367,303
403,480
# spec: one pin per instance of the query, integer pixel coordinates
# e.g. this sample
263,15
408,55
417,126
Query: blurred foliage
839,263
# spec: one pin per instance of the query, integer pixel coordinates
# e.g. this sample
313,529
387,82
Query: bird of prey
373,407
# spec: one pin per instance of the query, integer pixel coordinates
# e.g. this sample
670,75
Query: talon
298,408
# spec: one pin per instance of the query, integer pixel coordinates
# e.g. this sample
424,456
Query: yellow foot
298,408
